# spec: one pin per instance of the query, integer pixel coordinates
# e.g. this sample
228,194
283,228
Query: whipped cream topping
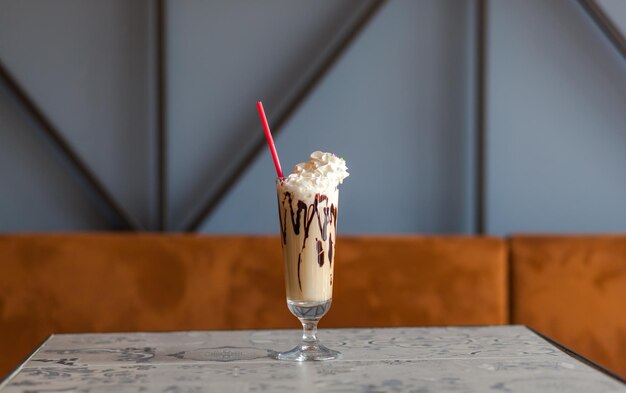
322,173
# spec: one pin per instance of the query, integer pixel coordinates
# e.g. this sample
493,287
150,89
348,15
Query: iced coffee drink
308,229
308,209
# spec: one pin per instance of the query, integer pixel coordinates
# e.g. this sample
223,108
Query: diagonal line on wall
291,103
603,21
121,218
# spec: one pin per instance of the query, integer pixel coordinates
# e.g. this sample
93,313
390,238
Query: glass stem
309,330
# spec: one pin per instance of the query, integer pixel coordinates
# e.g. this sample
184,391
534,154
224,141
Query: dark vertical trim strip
123,219
481,74
605,24
293,101
161,115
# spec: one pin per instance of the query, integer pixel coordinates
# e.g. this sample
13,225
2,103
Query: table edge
19,366
4,382
579,357
295,329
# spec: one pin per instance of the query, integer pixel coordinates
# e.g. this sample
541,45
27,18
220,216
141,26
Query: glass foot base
308,352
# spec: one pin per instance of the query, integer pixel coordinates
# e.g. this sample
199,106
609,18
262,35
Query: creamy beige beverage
308,207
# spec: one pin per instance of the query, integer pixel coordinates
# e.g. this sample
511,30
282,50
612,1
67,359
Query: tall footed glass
308,225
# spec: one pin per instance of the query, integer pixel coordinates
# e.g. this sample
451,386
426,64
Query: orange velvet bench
573,289
148,282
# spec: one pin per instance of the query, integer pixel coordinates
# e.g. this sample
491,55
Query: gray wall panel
395,107
222,58
86,64
399,105
616,11
557,125
36,190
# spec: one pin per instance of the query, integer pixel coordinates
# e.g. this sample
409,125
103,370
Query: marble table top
447,359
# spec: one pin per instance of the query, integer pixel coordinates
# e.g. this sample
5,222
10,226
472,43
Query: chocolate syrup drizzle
308,213
320,253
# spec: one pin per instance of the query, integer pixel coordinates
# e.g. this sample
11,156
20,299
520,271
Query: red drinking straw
270,140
